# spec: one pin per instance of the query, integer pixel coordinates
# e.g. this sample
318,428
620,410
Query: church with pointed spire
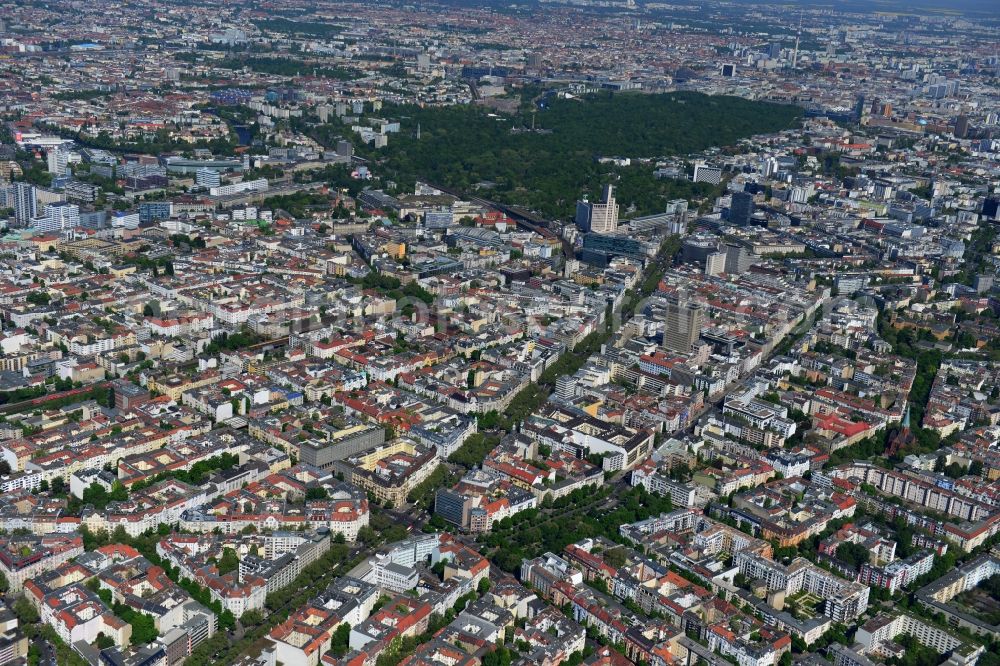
901,437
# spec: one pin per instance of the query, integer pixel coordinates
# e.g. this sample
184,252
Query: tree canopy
462,146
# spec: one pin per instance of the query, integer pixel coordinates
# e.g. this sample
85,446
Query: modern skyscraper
599,218
738,259
859,108
962,126
683,324
25,203
582,218
58,161
58,217
990,206
741,208
715,263
566,388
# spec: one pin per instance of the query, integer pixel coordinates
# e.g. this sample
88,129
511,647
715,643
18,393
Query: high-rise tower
683,324
599,218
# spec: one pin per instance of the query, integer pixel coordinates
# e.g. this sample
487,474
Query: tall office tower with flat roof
683,323
599,218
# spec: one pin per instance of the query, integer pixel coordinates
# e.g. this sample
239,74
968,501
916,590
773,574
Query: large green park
477,150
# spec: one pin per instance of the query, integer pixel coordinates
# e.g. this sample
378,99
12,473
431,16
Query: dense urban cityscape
463,333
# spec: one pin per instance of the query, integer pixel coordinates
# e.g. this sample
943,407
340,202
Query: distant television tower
798,34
